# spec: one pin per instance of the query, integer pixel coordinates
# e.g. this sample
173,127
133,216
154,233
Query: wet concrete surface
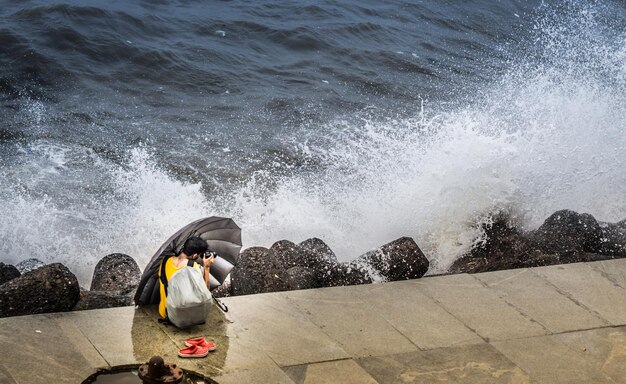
558,324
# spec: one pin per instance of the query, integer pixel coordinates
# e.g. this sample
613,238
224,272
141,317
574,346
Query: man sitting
193,249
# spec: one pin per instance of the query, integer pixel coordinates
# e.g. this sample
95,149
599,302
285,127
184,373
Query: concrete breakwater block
115,279
116,272
51,288
312,264
8,272
401,259
565,237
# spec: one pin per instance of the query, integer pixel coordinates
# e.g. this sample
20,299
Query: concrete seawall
557,324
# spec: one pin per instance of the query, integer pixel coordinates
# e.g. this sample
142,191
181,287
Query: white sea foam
102,208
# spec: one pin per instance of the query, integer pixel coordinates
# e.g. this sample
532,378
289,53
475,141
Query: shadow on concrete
150,338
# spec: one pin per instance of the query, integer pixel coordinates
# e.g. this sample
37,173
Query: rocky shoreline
31,287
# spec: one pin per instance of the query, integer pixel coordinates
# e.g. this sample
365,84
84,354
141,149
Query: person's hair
195,245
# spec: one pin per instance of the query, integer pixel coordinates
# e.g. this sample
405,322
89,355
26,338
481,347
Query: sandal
193,351
201,342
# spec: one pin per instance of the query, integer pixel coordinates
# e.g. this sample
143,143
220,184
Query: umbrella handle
221,305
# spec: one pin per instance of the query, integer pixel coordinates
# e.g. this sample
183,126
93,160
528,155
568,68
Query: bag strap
163,279
162,274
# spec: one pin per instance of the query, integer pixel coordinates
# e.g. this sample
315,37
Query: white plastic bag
188,299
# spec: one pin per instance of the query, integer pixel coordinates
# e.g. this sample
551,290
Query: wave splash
101,208
548,135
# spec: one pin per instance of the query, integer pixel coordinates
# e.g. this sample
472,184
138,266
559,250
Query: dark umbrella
221,234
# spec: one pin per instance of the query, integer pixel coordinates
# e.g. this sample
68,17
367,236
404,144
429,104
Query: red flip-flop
193,351
201,342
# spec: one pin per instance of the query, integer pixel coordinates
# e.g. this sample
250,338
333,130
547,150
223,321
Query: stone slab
614,270
123,335
238,346
271,324
479,308
229,356
417,316
76,337
36,349
538,299
464,364
370,331
338,371
5,376
586,285
593,356
259,333
272,375
344,317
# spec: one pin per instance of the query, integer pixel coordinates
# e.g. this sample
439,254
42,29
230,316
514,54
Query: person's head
195,245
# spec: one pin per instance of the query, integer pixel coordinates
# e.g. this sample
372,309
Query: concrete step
556,324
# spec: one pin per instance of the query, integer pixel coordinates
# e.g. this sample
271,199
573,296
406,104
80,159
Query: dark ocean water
357,122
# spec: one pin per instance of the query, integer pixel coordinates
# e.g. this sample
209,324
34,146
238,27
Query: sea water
355,122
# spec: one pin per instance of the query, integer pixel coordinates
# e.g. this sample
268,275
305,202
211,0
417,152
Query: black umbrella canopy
223,237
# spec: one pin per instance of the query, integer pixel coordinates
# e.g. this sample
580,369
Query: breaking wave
545,134
549,135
